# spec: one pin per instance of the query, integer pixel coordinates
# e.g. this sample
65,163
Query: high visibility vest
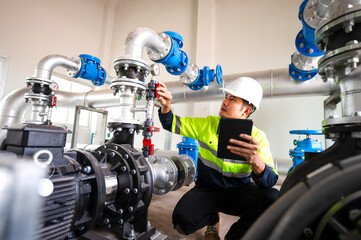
205,130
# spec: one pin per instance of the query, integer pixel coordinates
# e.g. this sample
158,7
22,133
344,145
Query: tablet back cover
231,128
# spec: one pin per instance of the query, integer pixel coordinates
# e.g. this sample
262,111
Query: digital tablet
231,128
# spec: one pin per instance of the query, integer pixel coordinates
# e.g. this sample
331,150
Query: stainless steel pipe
275,83
141,38
47,64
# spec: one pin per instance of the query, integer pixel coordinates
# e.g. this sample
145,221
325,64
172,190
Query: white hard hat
247,89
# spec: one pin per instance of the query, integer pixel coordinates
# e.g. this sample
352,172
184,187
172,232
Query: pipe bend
47,64
141,38
12,109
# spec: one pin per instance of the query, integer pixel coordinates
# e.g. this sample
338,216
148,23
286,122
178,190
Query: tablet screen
231,128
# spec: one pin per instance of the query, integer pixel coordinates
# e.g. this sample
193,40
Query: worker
224,185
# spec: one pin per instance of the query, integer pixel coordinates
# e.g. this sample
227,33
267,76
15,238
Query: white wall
31,30
260,35
241,35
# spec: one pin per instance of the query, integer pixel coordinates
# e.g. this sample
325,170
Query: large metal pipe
275,83
141,38
13,107
47,64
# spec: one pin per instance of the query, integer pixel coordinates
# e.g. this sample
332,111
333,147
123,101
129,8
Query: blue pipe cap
206,76
91,70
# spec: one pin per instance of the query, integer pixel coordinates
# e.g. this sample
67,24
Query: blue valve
189,146
206,76
305,145
219,74
91,70
176,62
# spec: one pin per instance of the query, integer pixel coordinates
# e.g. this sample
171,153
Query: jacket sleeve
185,126
270,175
268,179
166,120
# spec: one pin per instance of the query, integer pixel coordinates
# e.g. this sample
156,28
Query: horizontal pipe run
275,83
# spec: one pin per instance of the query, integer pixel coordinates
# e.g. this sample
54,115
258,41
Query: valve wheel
219,74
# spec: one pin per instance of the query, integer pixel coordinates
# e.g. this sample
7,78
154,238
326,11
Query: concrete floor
160,215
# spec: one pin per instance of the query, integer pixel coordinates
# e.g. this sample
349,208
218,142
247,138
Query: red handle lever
154,129
156,91
53,101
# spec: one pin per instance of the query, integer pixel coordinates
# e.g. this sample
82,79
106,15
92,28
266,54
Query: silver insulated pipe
47,64
275,83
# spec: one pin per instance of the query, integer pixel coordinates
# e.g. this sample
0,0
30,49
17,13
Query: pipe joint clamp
176,62
91,70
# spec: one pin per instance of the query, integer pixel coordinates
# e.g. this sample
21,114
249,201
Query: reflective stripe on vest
205,131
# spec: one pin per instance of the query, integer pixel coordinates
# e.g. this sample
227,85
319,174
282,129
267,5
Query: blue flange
300,75
305,40
305,45
206,76
91,70
176,62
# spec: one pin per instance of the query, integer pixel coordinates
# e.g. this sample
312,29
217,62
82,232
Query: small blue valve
189,146
306,145
206,76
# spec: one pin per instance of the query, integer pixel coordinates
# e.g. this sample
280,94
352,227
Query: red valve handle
151,149
53,101
156,91
154,129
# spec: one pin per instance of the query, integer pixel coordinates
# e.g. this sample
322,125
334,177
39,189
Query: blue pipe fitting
306,145
206,76
176,62
305,40
305,45
91,70
300,75
189,147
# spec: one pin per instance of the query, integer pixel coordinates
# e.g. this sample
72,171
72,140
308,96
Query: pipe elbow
47,64
143,37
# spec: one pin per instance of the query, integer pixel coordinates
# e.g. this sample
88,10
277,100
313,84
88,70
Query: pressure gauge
155,69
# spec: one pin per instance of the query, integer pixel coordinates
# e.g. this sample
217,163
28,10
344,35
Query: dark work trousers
199,207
